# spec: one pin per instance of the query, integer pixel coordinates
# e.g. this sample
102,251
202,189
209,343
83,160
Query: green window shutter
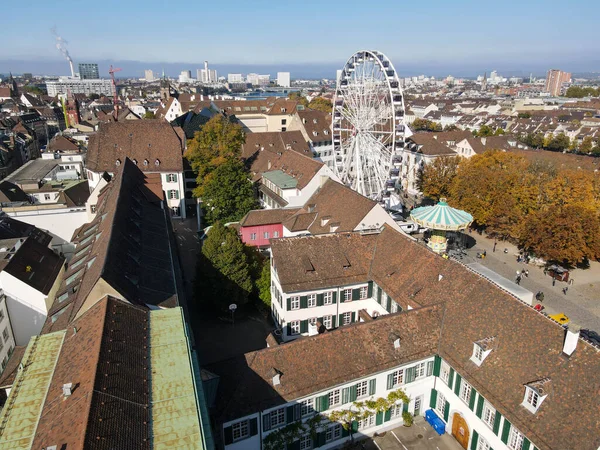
457,385
175,178
479,411
266,422
437,365
353,393
294,445
334,297
370,289
303,302
446,411
497,419
379,418
389,304
304,326
322,438
289,303
387,415
289,414
372,386
526,444
341,320
433,399
297,411
253,427
472,399
227,435
319,299
475,440
404,407
355,426
333,321
355,294
410,374
345,395
289,329
177,195
429,368
345,433
505,431
379,295
451,378
320,320
390,381
322,403
353,317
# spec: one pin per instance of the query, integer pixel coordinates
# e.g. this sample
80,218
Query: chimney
323,180
571,339
483,140
269,165
67,389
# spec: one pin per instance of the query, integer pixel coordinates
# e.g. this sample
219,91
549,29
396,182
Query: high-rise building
88,71
149,75
235,78
185,76
283,79
555,80
64,85
206,75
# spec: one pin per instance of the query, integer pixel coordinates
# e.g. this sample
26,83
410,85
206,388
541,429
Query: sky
431,36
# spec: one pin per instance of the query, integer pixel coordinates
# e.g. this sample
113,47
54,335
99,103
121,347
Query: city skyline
412,36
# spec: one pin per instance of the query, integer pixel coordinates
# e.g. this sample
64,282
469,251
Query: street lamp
232,308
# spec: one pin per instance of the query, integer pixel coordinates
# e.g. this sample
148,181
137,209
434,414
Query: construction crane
112,72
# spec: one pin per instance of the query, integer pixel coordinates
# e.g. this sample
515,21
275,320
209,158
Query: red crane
115,96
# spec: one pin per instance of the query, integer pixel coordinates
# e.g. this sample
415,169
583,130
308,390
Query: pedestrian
518,280
545,271
571,281
527,273
494,248
565,289
553,281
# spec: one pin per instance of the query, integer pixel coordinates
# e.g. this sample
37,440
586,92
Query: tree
263,284
219,141
33,89
149,115
94,96
451,128
425,125
524,115
586,145
228,194
297,96
533,140
436,178
321,104
559,143
223,273
484,131
499,132
567,234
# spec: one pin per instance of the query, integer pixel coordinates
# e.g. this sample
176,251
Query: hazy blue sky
414,33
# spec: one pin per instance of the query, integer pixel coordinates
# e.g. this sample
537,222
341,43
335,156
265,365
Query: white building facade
69,85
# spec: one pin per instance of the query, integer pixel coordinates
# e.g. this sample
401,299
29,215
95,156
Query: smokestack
61,47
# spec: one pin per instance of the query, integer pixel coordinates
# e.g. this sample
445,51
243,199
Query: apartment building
555,81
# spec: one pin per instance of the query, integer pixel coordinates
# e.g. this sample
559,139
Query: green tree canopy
149,115
484,130
223,272
297,96
425,125
321,104
580,92
263,284
524,115
219,140
228,194
586,145
559,143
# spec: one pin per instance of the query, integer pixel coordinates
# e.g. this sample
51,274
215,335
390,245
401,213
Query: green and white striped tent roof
441,217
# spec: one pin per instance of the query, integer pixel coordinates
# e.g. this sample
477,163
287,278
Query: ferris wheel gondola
368,126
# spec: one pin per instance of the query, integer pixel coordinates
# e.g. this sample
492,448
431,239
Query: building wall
254,123
7,339
260,240
61,222
315,183
376,218
276,122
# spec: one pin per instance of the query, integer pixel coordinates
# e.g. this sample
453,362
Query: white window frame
306,442
328,298
171,178
252,236
394,308
396,410
440,404
327,322
295,327
337,431
362,389
335,397
311,300
173,194
420,370
367,422
465,391
488,414
515,439
445,372
532,399
265,235
347,318
277,418
307,407
482,444
364,293
398,377
275,234
312,321
295,302
242,428
347,295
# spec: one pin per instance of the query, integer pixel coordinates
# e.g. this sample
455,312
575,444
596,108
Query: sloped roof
317,124
267,216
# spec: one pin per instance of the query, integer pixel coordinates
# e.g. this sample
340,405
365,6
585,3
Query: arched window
118,163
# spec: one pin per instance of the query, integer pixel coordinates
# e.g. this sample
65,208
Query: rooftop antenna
112,71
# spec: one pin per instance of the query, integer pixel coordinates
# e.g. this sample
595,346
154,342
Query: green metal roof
176,423
21,414
281,179
441,217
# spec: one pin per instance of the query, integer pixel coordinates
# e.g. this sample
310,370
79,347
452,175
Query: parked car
395,214
411,227
559,273
591,336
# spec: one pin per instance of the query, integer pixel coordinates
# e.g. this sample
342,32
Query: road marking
376,444
399,440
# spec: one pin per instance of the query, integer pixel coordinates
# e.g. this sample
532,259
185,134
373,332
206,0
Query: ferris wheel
368,127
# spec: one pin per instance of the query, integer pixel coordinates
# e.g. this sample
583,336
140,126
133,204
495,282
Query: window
334,398
397,378
489,414
515,439
394,308
266,235
440,405
307,406
347,318
465,391
337,431
173,194
420,370
252,236
5,334
312,300
327,323
277,417
74,277
328,298
364,291
93,209
347,295
306,442
1,314
532,397
171,178
396,410
295,302
362,389
445,372
295,326
283,121
275,234
482,444
367,422
46,196
240,430
312,321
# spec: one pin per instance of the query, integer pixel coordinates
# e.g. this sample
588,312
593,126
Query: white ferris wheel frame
362,163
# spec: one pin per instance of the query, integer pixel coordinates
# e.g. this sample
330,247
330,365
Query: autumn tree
559,143
297,96
228,193
425,125
321,104
223,272
586,145
435,179
484,130
219,141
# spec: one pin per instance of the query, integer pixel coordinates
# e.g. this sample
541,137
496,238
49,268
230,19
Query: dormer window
157,163
118,162
481,349
135,161
535,394
145,162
